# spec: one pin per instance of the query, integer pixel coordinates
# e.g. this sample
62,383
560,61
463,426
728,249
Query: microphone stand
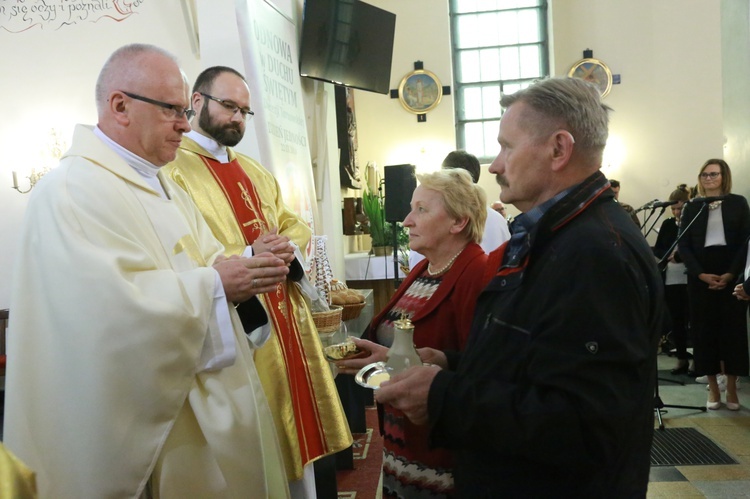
645,207
396,277
662,264
659,404
394,233
648,217
653,210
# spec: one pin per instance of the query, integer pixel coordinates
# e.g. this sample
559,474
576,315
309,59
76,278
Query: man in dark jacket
553,395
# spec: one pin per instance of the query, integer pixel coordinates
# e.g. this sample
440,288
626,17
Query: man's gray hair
568,103
114,69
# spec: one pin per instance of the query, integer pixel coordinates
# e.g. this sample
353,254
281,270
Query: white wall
735,28
668,108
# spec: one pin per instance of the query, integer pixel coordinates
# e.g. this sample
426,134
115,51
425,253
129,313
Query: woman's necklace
714,204
447,266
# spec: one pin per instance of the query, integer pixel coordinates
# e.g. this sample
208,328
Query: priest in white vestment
129,373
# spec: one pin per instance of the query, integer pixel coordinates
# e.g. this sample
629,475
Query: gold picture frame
594,71
420,91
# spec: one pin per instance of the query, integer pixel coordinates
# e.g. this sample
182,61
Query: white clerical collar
217,150
145,169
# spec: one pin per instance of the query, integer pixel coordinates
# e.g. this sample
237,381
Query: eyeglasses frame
178,110
230,106
709,175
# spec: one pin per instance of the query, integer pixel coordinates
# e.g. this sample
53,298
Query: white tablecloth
364,267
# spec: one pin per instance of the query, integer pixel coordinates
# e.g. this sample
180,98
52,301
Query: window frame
459,87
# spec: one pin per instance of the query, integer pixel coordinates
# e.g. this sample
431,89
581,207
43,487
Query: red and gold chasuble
246,205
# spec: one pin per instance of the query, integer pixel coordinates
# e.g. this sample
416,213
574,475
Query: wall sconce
56,146
34,177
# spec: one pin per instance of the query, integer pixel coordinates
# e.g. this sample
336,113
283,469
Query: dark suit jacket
741,277
666,238
736,216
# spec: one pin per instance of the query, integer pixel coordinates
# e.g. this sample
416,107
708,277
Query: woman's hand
727,279
377,353
715,282
739,292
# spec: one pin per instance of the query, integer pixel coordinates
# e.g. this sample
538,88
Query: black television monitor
347,42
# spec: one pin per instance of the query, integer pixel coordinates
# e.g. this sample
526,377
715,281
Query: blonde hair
462,198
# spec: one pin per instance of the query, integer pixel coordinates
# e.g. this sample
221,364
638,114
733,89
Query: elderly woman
445,225
714,251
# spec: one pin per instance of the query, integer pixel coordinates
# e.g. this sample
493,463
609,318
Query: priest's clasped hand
408,391
244,278
274,243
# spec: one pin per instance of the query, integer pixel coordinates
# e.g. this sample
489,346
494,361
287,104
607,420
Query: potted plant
373,205
402,239
379,229
383,233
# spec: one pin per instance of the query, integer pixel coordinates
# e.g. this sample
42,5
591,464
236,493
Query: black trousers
676,298
718,321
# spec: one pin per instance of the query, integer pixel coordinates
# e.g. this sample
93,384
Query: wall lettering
17,16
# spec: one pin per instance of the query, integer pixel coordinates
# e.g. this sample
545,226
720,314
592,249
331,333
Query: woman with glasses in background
713,249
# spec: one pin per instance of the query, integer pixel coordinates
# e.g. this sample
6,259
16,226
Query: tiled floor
729,429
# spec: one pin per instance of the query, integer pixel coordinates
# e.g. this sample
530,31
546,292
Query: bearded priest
242,203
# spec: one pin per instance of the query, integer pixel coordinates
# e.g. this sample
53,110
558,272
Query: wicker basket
328,322
352,311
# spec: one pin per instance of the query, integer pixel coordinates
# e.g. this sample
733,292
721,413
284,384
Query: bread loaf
346,297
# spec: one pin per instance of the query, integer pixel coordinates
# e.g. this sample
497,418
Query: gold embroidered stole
246,205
